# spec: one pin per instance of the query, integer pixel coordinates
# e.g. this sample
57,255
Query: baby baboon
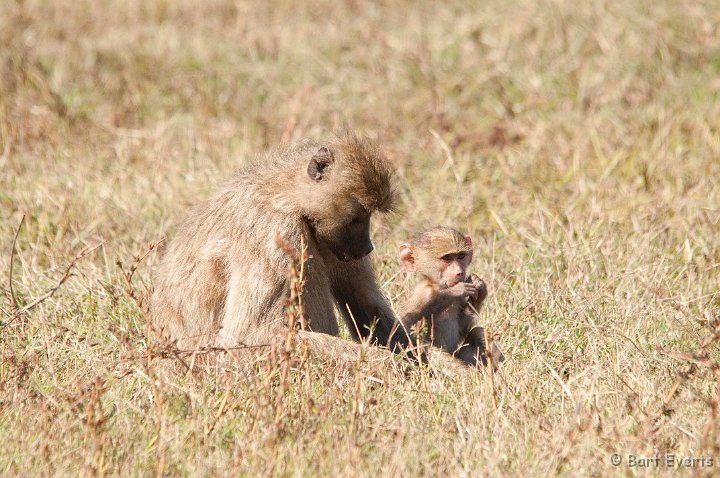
223,279
445,296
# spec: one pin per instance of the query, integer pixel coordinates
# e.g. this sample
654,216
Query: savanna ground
578,142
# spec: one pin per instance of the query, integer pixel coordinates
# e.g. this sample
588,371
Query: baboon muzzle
353,252
368,248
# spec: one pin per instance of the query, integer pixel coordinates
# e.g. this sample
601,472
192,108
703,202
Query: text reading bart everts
667,460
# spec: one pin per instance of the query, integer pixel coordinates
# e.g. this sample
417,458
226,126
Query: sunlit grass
577,142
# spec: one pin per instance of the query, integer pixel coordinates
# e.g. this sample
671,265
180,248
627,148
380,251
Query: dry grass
579,143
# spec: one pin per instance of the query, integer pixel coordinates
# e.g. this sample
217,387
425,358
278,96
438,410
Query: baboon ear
318,166
407,258
469,239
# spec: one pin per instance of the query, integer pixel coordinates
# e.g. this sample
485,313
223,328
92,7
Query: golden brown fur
446,299
434,243
223,279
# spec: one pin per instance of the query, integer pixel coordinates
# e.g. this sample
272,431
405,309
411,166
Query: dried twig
170,351
66,275
295,313
139,298
12,259
295,310
704,358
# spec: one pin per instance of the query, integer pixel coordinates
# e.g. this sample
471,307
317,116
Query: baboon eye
461,256
447,257
317,167
360,219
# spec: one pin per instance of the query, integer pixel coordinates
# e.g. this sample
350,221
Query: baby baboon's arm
429,301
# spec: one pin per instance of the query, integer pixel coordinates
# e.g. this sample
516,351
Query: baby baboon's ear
318,166
407,258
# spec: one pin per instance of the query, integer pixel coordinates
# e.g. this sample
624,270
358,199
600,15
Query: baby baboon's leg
474,351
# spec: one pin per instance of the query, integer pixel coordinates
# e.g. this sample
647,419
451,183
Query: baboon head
441,254
345,182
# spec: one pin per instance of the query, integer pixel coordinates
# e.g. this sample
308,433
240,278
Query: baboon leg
252,311
342,350
496,354
471,355
346,353
475,350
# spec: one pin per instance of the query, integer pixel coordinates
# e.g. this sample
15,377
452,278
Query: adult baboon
223,280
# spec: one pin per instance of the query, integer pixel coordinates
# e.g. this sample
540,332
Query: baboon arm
362,304
427,301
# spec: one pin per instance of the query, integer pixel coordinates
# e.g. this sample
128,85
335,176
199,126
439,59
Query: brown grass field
578,142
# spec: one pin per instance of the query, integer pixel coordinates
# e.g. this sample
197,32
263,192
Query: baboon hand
463,290
480,290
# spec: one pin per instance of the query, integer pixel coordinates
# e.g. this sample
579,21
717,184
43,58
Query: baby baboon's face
441,254
451,268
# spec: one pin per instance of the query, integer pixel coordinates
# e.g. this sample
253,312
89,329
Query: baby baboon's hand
481,290
463,290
